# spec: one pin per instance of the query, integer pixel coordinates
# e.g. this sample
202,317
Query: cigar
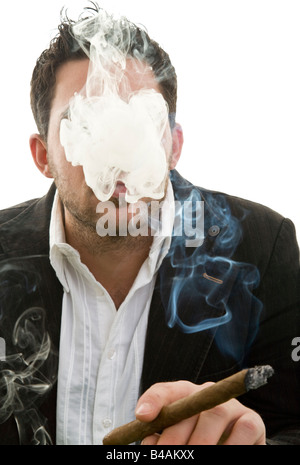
216,394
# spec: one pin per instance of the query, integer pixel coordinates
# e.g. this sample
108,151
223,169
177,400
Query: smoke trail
115,132
28,370
196,280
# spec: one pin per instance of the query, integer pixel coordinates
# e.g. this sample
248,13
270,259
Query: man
102,328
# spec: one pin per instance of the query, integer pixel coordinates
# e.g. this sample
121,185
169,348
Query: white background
239,91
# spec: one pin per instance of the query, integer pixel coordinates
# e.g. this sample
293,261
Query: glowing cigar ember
210,397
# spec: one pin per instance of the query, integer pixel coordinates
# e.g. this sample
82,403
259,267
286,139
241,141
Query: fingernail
143,409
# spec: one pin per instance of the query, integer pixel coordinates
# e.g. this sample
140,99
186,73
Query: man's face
77,197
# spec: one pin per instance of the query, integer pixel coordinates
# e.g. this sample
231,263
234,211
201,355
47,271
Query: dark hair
64,48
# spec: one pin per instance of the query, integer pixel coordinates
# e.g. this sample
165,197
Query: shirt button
107,423
111,354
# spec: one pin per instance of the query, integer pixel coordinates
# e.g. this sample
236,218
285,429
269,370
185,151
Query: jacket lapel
173,353
31,310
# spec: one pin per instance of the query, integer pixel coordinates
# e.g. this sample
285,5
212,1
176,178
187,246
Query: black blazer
247,315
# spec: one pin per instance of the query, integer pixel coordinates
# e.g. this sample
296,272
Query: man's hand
230,423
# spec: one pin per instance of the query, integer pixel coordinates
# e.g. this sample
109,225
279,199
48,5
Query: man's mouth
120,189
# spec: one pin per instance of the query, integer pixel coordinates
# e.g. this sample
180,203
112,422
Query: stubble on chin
81,221
80,210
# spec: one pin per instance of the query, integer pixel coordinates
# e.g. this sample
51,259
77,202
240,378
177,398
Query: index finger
162,394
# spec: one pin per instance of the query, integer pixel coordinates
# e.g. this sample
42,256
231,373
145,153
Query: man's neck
114,261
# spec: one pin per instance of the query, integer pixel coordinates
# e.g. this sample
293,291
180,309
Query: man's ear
177,138
38,149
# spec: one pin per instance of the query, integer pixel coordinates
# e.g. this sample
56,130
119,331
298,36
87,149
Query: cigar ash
257,376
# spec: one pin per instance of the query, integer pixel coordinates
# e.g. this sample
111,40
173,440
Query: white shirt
101,349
